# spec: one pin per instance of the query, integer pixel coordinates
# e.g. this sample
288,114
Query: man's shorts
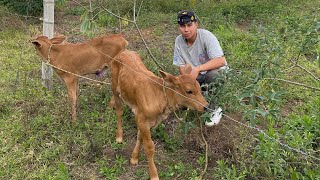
211,75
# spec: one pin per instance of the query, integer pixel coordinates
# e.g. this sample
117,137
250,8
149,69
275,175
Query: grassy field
265,43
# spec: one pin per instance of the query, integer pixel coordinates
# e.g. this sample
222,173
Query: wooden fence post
48,25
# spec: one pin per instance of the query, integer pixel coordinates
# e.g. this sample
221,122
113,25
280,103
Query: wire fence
255,128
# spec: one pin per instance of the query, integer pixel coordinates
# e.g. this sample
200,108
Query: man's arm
214,63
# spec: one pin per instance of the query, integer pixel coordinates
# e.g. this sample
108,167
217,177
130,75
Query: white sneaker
215,118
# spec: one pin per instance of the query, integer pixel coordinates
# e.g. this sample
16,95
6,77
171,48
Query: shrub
24,7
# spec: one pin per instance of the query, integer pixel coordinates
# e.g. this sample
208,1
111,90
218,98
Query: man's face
189,30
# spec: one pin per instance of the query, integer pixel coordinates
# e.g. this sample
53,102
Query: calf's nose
207,107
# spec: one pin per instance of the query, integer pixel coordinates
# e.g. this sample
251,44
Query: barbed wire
251,127
81,5
19,15
245,125
271,138
134,22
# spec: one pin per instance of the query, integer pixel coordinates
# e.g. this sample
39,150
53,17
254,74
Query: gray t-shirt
205,47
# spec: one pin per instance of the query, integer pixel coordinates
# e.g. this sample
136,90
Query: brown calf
150,102
91,57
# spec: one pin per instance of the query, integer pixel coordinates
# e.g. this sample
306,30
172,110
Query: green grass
37,140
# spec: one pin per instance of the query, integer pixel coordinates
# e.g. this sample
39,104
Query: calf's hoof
73,120
119,140
154,178
134,161
111,103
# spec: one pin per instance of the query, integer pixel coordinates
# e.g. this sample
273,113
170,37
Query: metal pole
48,25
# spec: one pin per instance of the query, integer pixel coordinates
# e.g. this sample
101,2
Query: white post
48,23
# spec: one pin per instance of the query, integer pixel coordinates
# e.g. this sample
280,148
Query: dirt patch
243,25
10,20
86,171
220,139
288,108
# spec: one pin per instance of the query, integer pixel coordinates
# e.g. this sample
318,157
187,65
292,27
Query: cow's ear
36,43
168,78
58,39
186,69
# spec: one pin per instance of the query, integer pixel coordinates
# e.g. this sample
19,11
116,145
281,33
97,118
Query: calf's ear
58,39
168,78
186,69
36,43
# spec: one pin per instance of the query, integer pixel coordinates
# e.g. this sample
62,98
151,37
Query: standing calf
150,102
90,57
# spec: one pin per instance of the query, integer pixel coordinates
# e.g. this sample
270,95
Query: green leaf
262,112
253,117
84,26
244,95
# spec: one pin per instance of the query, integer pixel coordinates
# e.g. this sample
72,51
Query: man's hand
195,72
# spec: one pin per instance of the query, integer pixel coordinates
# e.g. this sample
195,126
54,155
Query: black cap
186,16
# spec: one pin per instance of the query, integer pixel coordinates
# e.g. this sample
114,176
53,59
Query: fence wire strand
243,124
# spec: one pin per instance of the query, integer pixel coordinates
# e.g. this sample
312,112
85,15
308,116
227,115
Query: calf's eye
189,92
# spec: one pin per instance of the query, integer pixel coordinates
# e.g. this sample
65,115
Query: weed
223,171
171,143
76,11
114,171
175,170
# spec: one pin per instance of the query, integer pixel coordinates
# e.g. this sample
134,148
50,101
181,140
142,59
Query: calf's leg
119,112
136,150
116,101
72,84
149,149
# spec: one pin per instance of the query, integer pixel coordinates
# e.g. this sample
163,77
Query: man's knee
201,79
211,75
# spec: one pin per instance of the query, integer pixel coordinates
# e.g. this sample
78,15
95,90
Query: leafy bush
24,7
165,6
171,142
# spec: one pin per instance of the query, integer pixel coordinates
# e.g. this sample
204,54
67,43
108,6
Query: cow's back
136,85
78,58
109,45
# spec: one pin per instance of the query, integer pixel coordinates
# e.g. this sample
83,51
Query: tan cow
150,102
90,57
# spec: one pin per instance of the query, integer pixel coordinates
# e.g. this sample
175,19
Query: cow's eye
189,92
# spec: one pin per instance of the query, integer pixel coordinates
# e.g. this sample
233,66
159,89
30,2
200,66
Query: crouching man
200,49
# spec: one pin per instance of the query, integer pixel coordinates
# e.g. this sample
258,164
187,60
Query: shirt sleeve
177,56
212,45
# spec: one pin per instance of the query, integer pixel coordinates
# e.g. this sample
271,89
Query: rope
101,82
78,75
164,91
49,51
206,155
